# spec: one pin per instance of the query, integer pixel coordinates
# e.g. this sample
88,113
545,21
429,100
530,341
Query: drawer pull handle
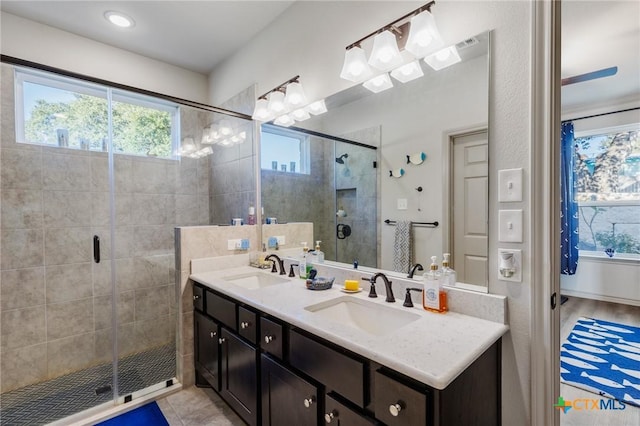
268,339
196,297
308,402
245,324
221,340
395,409
213,333
330,416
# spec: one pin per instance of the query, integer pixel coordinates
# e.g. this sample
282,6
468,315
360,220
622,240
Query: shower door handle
96,249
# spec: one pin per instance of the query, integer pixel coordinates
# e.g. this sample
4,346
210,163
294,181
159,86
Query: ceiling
198,35
597,35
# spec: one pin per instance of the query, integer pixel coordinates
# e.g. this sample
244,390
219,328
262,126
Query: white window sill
621,258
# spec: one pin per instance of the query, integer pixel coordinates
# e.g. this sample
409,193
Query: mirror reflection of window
284,150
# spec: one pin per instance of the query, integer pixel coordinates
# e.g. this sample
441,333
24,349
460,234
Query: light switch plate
509,185
510,226
402,204
281,240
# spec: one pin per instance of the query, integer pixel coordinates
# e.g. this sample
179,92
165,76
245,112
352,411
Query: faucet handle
407,299
291,273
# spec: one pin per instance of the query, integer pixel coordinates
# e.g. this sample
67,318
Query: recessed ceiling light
119,19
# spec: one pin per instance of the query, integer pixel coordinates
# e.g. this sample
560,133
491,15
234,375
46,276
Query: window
284,150
64,112
607,170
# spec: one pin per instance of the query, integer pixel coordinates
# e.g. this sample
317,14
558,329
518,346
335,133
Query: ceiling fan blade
605,72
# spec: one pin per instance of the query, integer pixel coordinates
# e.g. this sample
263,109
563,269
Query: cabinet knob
308,402
245,324
330,416
221,340
213,333
268,339
395,409
196,297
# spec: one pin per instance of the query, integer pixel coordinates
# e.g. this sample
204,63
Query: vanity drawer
398,404
198,298
339,414
221,309
271,337
247,324
337,371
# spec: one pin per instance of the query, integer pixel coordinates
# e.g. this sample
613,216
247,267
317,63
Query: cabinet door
206,332
287,399
239,376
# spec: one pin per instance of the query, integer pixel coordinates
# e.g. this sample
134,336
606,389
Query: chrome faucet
387,286
275,259
412,270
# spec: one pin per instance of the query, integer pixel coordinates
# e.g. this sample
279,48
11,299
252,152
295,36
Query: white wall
46,45
309,39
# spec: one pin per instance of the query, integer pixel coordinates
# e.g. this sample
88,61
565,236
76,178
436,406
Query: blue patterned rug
147,415
604,358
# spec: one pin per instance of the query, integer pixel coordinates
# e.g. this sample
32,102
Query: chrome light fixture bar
286,104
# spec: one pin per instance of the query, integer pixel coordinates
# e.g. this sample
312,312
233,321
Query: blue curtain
568,207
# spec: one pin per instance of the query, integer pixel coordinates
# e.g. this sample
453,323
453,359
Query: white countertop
434,349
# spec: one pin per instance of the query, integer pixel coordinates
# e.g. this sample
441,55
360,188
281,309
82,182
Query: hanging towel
402,247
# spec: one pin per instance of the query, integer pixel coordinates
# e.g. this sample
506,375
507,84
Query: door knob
268,339
308,402
196,297
244,324
330,416
221,340
213,333
395,409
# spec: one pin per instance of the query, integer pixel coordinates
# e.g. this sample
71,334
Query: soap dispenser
434,298
303,261
319,253
448,274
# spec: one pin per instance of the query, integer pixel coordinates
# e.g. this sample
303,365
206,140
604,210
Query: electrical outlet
281,240
511,260
234,244
403,204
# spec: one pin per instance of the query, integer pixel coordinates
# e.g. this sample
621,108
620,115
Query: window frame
626,257
305,148
109,94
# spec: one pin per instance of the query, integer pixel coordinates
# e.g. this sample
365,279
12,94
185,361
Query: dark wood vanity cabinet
274,374
238,376
287,399
206,354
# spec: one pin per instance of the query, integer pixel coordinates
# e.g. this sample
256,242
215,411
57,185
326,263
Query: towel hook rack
425,224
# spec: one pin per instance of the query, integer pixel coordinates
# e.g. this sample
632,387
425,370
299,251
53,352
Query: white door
470,212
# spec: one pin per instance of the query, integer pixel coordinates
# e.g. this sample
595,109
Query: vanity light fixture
396,47
385,54
407,72
443,58
424,37
355,67
317,107
378,83
286,103
119,19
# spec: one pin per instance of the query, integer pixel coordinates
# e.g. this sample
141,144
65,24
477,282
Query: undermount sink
369,317
255,280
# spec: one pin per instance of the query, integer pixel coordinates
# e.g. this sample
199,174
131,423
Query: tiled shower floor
55,399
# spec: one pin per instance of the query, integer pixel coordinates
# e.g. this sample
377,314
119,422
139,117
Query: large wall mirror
335,169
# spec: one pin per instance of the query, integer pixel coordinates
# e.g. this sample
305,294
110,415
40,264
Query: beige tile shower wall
55,301
196,242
